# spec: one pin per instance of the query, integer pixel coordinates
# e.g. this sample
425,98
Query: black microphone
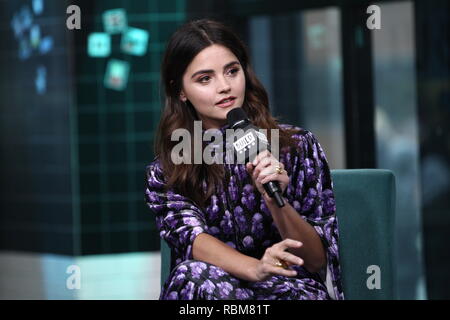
249,143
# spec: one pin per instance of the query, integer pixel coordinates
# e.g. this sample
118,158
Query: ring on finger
281,264
279,170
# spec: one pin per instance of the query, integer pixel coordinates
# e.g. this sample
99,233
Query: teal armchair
365,207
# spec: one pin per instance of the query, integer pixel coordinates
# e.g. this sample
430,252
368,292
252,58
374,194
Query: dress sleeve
311,193
178,220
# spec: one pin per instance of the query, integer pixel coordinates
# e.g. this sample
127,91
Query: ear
183,96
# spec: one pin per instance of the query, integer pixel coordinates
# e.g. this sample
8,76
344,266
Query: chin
232,107
222,113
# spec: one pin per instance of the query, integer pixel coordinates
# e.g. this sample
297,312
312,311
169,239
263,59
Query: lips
225,99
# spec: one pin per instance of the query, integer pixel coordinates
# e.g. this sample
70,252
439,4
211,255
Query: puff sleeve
310,192
178,219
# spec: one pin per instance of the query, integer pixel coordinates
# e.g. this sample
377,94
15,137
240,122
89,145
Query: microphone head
235,115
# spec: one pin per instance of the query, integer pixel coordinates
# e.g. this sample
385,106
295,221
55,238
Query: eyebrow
211,71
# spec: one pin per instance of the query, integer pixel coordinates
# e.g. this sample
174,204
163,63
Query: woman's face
214,74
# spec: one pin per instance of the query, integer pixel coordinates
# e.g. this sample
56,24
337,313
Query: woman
229,239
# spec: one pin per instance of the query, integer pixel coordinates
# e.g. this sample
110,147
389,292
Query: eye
203,79
234,70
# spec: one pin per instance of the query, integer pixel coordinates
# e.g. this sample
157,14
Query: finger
290,258
288,243
260,156
278,164
264,175
261,165
280,271
249,167
275,163
272,177
258,159
269,170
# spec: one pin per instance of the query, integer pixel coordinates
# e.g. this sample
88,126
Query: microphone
247,145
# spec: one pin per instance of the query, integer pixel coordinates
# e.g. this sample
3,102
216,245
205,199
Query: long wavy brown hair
183,46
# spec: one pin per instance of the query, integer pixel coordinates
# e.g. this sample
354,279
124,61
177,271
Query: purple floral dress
238,216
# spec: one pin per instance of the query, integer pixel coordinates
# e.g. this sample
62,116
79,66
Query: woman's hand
267,266
263,170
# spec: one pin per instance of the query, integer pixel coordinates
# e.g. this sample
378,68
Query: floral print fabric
238,216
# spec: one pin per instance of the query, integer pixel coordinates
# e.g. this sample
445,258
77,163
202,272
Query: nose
223,85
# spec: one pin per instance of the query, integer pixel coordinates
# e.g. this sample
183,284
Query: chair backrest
365,206
165,261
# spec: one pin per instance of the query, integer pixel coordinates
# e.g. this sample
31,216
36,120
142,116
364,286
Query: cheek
241,85
203,95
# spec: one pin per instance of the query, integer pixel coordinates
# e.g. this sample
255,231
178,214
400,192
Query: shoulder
155,165
302,136
154,172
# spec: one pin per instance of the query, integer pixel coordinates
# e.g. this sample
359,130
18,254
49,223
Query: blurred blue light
134,41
